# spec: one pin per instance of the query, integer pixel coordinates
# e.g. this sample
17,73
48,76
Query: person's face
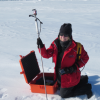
64,38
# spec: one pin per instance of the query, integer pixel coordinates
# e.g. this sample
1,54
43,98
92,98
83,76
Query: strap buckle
62,71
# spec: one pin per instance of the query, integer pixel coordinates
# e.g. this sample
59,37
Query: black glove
72,69
68,70
40,43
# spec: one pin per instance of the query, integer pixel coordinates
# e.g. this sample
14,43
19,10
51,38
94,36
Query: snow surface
18,37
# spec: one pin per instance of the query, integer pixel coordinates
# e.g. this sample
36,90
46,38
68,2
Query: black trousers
82,88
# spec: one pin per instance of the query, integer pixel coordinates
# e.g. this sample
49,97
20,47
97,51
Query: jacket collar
57,42
71,46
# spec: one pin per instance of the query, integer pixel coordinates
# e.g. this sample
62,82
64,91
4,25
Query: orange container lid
30,66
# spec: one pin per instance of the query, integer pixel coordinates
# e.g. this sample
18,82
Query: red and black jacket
68,59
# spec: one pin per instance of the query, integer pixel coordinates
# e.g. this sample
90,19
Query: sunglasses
65,35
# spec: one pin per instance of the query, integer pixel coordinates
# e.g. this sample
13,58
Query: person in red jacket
67,68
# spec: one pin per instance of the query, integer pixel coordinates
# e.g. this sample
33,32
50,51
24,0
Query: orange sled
34,78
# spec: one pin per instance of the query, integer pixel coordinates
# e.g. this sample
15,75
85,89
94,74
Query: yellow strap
79,46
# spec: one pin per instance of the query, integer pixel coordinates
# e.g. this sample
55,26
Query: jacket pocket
70,80
75,77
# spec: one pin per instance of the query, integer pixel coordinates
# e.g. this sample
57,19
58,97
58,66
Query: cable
41,57
83,68
43,74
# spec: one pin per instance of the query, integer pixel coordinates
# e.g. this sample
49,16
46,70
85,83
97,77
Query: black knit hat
66,30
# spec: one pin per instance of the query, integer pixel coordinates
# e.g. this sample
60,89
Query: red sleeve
47,53
84,58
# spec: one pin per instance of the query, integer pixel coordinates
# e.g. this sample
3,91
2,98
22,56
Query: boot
89,94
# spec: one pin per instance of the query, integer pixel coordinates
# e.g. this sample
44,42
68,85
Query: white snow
18,37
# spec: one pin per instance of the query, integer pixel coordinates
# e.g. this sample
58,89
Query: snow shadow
95,82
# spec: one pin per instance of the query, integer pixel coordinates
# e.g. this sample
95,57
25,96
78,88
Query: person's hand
68,70
40,43
71,69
